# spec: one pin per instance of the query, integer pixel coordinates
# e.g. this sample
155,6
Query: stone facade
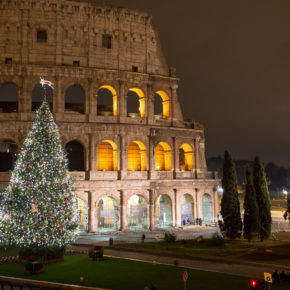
98,47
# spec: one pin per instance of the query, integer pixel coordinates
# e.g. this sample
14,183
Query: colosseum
137,163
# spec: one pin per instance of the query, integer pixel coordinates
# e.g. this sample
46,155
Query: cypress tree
251,214
230,206
263,199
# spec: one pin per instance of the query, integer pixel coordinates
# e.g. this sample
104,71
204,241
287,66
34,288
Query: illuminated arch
137,160
165,104
186,210
75,99
207,212
38,94
8,150
107,101
141,98
107,156
162,157
137,213
185,158
75,155
83,215
9,98
108,214
163,212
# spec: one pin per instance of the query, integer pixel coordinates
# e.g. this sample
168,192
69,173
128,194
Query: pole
184,285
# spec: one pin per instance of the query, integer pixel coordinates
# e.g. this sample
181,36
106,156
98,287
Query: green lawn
124,274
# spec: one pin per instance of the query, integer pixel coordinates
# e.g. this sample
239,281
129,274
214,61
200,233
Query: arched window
8,98
75,99
75,154
107,156
185,158
207,208
162,157
137,156
38,95
135,103
107,101
187,210
163,215
8,151
137,213
83,215
108,215
161,105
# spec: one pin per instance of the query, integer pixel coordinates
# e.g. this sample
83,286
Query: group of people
282,276
198,221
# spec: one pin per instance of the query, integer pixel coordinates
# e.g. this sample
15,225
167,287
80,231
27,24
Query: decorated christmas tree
39,205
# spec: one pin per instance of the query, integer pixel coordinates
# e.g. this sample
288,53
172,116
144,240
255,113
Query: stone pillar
92,100
196,154
123,212
58,100
91,165
150,104
151,154
91,213
174,206
121,220
197,203
123,100
124,156
175,157
151,209
215,203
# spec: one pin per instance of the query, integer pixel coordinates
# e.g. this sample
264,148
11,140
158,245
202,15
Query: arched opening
162,157
75,99
135,103
187,210
38,95
137,160
161,105
8,151
137,213
206,208
108,216
83,216
107,156
163,215
8,98
75,154
106,101
185,158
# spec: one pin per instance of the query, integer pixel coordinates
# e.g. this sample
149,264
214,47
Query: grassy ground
123,274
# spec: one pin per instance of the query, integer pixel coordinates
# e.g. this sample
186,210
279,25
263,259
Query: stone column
121,221
123,212
174,208
58,100
123,100
215,203
175,157
92,100
151,209
91,213
124,157
151,153
196,154
91,165
197,203
150,104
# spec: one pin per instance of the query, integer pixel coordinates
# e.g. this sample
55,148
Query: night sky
233,58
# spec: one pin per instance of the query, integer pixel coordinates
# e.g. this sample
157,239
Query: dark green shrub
96,252
42,253
169,238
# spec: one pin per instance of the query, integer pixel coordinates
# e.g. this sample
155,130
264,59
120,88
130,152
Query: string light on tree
39,203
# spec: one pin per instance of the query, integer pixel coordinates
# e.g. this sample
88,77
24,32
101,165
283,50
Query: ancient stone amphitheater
137,163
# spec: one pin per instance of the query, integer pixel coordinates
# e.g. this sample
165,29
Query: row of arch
107,156
107,212
74,101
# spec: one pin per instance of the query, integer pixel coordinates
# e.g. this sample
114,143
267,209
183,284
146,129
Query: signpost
185,277
268,278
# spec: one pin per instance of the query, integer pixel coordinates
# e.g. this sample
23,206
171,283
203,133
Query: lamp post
285,192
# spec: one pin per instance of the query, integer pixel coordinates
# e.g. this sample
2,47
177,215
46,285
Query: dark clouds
233,58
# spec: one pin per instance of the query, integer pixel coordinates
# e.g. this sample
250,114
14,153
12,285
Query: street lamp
285,192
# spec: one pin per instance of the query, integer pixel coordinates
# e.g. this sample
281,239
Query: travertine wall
74,33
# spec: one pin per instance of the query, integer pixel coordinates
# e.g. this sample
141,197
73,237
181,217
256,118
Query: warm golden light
162,157
107,156
137,156
185,158
114,94
141,101
165,104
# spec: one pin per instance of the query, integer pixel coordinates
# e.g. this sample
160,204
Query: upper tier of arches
104,100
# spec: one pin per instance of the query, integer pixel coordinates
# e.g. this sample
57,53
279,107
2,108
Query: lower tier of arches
138,210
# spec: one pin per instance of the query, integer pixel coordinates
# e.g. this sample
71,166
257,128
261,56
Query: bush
42,253
96,252
169,238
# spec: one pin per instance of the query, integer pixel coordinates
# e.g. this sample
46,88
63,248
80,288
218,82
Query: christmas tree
39,204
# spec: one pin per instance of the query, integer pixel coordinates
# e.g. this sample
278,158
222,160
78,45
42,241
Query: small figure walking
143,238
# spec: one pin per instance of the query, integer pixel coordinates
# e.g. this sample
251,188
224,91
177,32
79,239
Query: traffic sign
185,276
268,277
